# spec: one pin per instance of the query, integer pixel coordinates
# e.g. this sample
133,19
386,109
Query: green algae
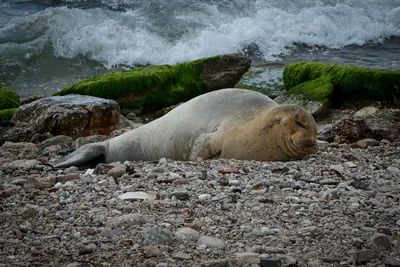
146,89
6,114
8,99
318,81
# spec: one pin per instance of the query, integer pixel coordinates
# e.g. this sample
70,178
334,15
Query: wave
118,33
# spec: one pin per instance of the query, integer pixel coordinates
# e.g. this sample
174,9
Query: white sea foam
138,36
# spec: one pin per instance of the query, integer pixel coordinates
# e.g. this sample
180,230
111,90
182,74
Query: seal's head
295,130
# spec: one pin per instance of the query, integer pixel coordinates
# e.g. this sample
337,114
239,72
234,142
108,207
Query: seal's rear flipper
87,156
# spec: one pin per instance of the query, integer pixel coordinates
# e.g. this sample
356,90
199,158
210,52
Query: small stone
29,211
224,180
187,234
87,249
392,261
210,242
248,256
157,236
381,242
107,232
126,220
364,143
363,256
151,251
329,181
181,256
366,111
117,171
215,263
228,170
393,170
204,196
270,262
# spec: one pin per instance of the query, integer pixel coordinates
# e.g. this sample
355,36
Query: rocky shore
338,207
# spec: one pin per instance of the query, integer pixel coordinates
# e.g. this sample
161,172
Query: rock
157,236
270,262
71,115
22,164
181,256
17,132
107,232
60,140
366,111
39,138
210,242
151,251
364,143
29,211
248,256
392,261
363,256
117,171
381,242
394,170
347,130
215,263
187,234
88,139
23,150
126,220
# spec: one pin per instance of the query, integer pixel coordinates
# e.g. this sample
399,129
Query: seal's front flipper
205,147
84,157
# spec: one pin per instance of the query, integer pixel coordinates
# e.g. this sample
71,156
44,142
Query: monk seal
228,123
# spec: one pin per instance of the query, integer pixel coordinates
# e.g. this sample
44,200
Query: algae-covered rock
319,81
6,114
8,99
155,87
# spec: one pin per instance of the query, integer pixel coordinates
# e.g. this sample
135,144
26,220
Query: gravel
338,207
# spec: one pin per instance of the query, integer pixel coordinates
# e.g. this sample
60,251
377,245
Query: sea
46,45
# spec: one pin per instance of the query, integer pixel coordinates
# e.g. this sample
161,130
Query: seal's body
228,123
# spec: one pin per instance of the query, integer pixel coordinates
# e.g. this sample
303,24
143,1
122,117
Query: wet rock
157,236
210,242
71,115
381,242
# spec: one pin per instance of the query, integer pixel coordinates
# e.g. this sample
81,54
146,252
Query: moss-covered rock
155,87
8,99
319,81
6,114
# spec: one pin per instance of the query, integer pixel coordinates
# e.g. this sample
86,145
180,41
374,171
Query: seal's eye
300,124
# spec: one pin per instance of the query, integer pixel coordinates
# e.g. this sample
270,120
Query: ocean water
47,45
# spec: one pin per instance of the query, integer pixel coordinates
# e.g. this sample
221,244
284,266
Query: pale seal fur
228,123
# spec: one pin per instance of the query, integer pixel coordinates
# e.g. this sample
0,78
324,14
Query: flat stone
210,242
181,256
126,220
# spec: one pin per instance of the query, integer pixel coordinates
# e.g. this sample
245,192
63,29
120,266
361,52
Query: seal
228,123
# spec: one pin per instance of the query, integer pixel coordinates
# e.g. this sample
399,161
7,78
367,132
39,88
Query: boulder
319,81
152,88
71,115
16,132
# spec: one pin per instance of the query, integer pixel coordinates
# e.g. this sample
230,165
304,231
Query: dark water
47,45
